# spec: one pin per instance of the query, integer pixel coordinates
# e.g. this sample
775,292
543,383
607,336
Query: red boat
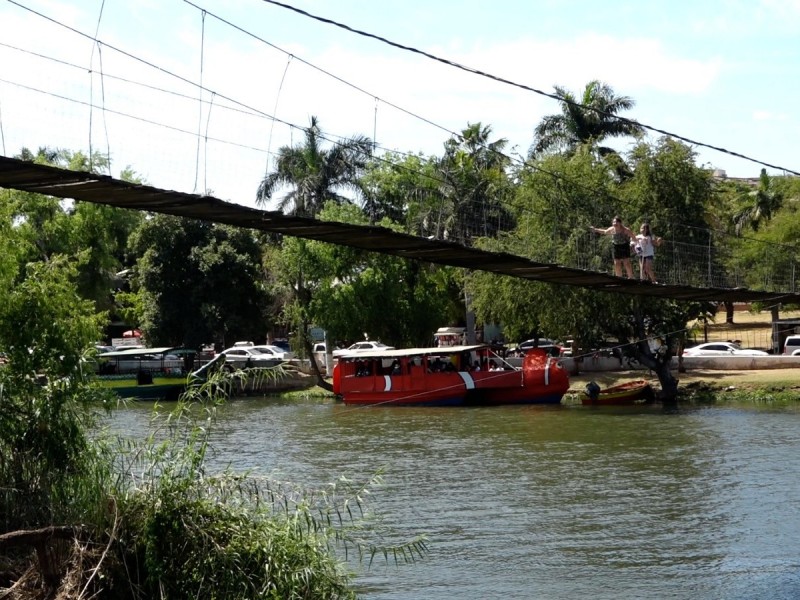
452,376
632,392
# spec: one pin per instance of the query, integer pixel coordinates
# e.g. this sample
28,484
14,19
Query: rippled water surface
550,502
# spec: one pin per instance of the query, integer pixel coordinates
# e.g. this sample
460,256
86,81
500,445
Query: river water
549,502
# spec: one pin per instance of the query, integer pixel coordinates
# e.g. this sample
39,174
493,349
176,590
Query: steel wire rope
249,111
200,99
552,96
292,126
2,133
132,81
205,148
152,65
265,115
228,142
134,117
275,112
375,125
274,118
316,68
91,79
103,108
475,71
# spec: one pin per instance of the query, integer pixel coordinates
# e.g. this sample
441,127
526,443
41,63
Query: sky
199,96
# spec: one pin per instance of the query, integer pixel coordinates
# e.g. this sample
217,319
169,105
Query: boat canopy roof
411,352
137,352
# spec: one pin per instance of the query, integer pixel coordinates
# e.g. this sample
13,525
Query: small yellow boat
632,392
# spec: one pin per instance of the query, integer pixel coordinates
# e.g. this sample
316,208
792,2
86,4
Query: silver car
275,351
363,347
241,357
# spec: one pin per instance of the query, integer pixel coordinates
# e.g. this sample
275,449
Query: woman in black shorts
621,237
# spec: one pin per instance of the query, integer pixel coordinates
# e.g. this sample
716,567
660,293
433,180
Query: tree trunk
669,385
325,385
728,312
660,364
775,337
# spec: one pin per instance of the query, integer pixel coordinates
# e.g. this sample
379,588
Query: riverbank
773,379
784,380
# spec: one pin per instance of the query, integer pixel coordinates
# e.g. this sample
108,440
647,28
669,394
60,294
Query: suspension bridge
676,281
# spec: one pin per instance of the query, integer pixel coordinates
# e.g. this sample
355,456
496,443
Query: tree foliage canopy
198,282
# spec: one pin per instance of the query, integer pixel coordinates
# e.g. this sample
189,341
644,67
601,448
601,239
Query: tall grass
234,535
86,515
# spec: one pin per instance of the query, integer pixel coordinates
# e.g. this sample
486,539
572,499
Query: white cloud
766,115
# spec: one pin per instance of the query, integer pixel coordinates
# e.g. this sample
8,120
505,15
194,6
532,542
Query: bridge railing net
706,265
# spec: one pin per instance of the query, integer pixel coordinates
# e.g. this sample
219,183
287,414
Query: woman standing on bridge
646,250
621,237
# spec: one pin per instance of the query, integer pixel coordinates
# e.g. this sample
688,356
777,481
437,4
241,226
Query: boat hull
418,383
163,387
633,392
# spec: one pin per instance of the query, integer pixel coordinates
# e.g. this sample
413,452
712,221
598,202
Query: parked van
792,345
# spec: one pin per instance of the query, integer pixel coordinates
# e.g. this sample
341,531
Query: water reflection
550,502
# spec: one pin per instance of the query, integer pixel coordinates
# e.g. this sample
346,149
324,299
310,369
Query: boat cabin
146,373
146,361
450,336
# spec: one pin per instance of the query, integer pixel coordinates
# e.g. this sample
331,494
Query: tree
94,233
198,282
397,186
473,189
46,454
398,301
349,292
315,174
760,205
589,119
556,203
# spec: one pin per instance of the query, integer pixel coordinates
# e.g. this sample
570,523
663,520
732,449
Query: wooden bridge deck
90,187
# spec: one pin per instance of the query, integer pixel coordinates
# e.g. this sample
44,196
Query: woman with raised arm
621,237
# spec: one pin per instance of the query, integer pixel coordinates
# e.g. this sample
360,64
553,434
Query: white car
722,349
363,347
791,345
249,356
275,351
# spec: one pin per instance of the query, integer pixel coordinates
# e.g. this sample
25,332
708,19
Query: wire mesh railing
714,264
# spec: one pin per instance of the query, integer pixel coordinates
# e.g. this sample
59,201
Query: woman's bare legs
628,267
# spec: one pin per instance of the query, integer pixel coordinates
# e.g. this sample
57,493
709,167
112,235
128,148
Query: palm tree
762,204
314,174
473,185
587,120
